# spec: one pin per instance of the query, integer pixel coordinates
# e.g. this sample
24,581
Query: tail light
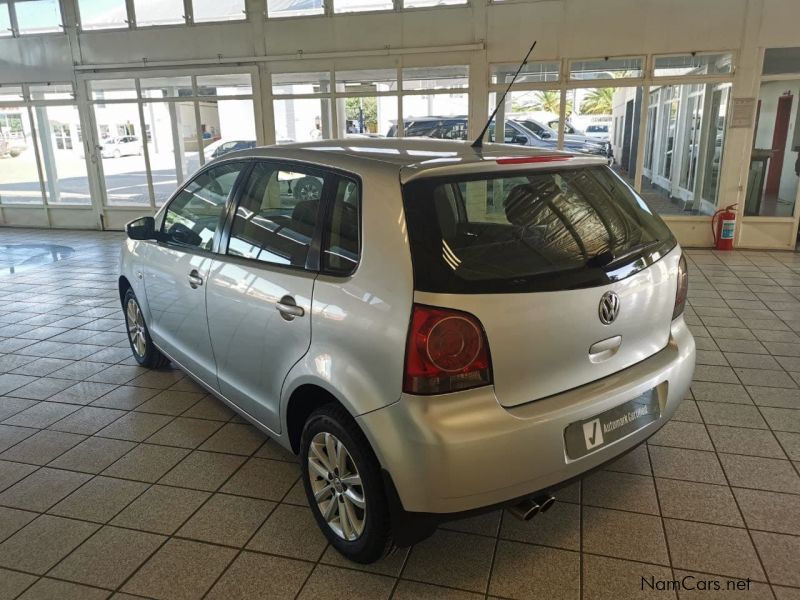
683,288
446,351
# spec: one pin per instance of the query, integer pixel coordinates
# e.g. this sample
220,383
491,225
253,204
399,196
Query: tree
369,106
599,101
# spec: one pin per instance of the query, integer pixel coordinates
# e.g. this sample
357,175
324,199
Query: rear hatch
533,255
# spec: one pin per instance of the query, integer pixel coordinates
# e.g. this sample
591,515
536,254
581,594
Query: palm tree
598,102
545,101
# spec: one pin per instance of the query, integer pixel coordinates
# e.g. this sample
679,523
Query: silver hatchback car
436,330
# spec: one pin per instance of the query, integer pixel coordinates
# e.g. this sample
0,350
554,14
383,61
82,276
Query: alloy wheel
308,191
337,487
135,323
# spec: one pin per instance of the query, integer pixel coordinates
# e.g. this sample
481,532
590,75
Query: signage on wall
743,112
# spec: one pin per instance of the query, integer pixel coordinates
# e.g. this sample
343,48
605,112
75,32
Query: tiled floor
117,479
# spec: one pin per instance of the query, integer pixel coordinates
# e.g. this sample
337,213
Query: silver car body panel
445,453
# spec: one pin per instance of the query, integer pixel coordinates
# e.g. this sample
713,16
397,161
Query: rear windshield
531,231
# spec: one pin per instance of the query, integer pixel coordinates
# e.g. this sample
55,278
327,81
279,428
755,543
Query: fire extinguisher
723,225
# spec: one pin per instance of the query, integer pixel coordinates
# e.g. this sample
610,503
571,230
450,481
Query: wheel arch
303,401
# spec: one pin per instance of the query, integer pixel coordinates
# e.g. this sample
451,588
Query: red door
779,136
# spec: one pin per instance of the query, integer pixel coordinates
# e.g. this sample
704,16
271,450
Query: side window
275,221
341,244
193,216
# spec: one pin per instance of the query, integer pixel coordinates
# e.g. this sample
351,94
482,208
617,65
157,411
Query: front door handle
194,279
289,309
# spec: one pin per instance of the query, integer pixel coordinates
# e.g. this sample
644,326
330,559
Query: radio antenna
478,143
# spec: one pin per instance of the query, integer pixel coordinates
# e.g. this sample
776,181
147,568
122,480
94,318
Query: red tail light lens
683,288
446,351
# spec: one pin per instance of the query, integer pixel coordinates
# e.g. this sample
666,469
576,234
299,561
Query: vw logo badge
609,308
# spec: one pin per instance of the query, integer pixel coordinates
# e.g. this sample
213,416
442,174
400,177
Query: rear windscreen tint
537,230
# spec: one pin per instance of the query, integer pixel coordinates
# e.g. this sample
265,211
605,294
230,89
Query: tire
142,346
117,154
369,531
307,188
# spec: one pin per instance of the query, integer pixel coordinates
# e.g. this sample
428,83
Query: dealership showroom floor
115,478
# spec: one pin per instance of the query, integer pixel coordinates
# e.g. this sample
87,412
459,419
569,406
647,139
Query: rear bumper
464,451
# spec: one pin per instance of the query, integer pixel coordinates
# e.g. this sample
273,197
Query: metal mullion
188,12
130,9
12,18
435,91
300,96
332,111
400,128
691,80
562,102
37,155
198,135
604,83
525,87
145,148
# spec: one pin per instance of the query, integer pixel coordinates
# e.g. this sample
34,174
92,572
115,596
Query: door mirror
143,228
545,135
519,139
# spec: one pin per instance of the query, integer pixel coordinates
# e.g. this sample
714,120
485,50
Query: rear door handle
194,279
289,309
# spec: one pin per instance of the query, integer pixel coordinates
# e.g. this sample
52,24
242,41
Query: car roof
416,156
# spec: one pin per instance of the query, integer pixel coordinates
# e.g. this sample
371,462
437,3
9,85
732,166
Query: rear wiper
607,257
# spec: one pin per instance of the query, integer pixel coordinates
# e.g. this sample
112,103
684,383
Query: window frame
327,221
162,240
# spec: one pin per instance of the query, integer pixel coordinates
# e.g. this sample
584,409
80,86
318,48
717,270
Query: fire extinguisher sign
728,228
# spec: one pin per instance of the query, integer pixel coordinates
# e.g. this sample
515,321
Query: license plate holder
595,433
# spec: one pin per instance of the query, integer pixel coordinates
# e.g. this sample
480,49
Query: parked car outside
598,131
223,147
126,145
445,330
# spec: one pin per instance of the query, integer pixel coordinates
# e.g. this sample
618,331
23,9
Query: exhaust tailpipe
530,507
525,510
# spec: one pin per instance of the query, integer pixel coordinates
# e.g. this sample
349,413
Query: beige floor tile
779,553
694,501
559,527
260,577
108,558
125,397
42,447
52,589
735,415
88,420
170,402
614,579
636,461
42,489
11,473
93,455
453,559
485,524
41,415
290,531
738,440
689,465
99,499
770,511
229,520
557,572
390,565
622,491
203,470
262,478
12,520
161,509
38,546
701,586
184,433
344,584
712,549
82,392
146,462
180,570
624,535
13,583
235,439
414,590
761,473
135,426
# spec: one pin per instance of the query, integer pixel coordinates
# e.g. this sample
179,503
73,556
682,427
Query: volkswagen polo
440,331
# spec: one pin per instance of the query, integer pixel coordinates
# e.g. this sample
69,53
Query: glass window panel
683,148
781,60
276,219
38,16
193,217
112,89
218,10
539,109
226,126
19,177
534,72
302,120
775,159
5,21
687,64
341,6
425,3
367,116
51,91
10,93
102,14
342,240
294,8
224,85
171,138
436,78
163,12
318,82
166,87
62,156
442,116
366,81
119,135
602,68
